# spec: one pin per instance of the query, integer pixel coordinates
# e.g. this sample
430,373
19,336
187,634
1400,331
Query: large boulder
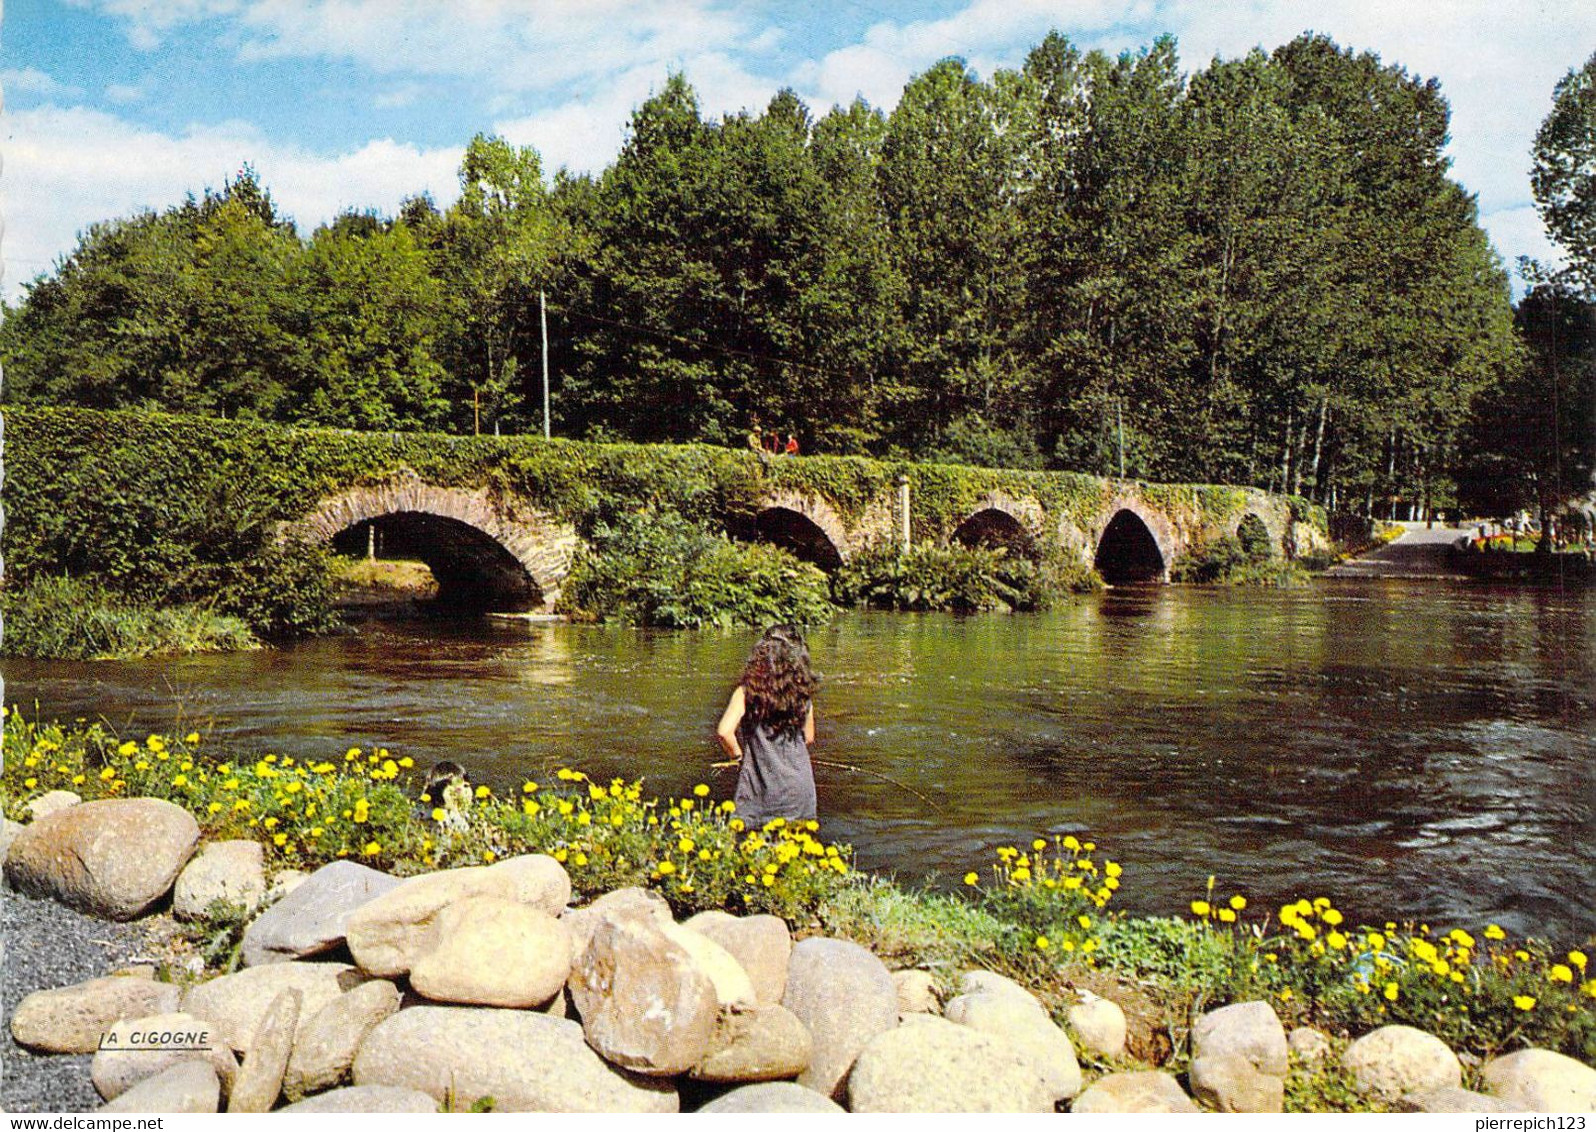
524,1061
1100,1024
756,1043
260,1076
936,1066
494,952
1144,1090
621,903
1228,1082
326,1046
1454,1099
71,1019
1025,1024
990,982
232,872
1396,1060
1539,1080
237,1003
185,1086
135,1049
52,802
8,833
1249,1030
366,1098
761,944
646,1004
844,996
387,935
114,858
312,917
773,1096
732,985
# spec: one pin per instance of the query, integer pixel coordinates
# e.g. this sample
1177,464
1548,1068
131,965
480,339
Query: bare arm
726,730
809,724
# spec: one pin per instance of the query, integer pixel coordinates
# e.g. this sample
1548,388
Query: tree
1563,177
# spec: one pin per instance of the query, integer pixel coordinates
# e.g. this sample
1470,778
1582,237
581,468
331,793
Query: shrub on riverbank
956,579
655,567
1039,911
68,619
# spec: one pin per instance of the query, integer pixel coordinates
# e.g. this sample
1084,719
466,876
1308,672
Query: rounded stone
1540,1080
936,1066
260,1077
366,1098
72,1019
326,1046
237,1003
494,952
129,1055
1024,1023
113,858
1229,1083
844,996
917,991
312,917
230,872
1100,1024
187,1086
52,802
757,1043
761,944
773,1096
468,1054
1396,1060
1249,1030
1308,1045
1145,1090
645,1003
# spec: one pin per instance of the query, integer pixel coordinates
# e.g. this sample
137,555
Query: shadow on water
1418,749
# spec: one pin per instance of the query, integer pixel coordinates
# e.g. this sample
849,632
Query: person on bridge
767,727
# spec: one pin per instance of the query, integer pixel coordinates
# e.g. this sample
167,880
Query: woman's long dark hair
777,680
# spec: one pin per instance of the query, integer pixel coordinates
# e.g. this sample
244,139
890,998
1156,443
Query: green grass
66,619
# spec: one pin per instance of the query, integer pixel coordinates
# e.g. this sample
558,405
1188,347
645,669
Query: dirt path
1419,552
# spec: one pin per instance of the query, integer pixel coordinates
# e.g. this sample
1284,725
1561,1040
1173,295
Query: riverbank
68,619
1039,912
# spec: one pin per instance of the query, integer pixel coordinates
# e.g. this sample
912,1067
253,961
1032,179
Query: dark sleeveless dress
776,779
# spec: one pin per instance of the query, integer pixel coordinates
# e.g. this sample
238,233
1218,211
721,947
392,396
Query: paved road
1419,552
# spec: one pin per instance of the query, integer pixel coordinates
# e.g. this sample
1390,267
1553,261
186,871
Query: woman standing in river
767,727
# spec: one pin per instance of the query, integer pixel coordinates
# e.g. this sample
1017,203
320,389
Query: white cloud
31,80
67,168
398,97
150,21
126,92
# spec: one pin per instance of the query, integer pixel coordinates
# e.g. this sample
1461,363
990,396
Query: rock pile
483,986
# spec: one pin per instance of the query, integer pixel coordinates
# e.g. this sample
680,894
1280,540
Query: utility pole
543,319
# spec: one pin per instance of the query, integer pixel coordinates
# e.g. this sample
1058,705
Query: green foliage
1255,272
931,578
657,568
68,619
1564,174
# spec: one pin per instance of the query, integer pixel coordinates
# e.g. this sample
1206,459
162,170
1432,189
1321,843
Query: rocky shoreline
362,991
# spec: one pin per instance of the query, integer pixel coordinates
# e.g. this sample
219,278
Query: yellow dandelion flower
1199,908
1038,845
1227,915
1492,931
1043,943
1331,917
1577,958
1560,973
1524,1001
1238,902
191,738
701,791
1391,991
971,879
665,868
127,748
372,849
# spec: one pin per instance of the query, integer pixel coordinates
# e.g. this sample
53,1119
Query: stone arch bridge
497,548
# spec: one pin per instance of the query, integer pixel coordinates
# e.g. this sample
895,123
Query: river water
1407,749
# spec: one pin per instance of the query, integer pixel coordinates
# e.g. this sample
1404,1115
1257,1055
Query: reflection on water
1415,749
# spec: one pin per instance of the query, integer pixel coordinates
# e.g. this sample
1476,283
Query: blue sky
113,105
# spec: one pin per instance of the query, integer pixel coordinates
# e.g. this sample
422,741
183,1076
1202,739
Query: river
1407,749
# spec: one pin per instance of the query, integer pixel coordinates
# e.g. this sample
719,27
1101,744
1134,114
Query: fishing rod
857,770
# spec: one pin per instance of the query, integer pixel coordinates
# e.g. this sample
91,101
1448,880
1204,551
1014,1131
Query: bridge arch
1257,540
486,551
803,523
1133,545
1002,522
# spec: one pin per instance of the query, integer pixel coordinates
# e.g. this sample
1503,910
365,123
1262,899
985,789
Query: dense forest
1257,272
